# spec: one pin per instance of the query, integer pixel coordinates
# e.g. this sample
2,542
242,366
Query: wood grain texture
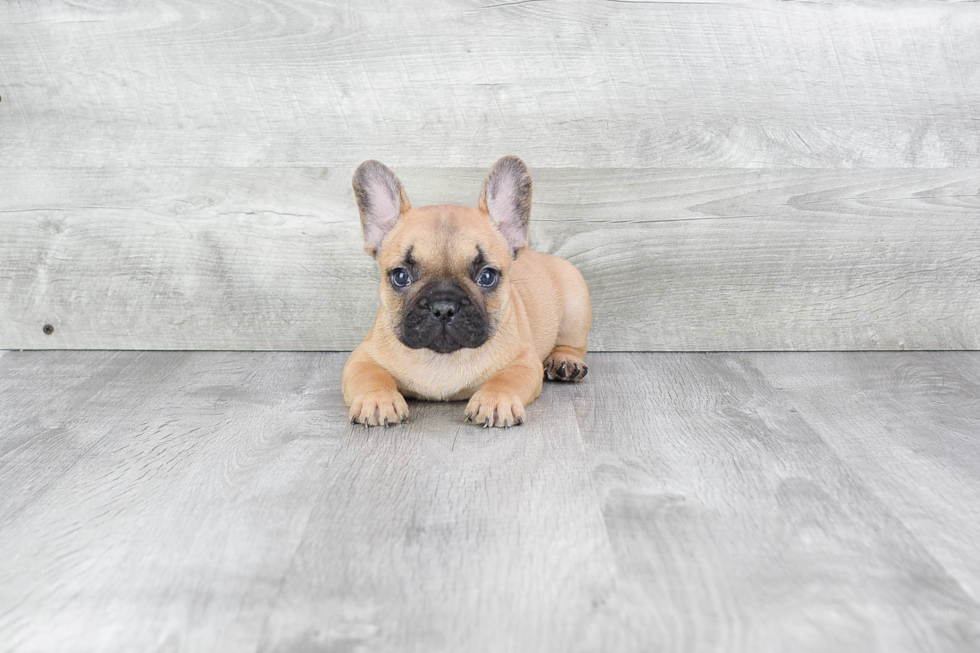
493,537
729,503
603,83
908,427
706,473
182,258
150,493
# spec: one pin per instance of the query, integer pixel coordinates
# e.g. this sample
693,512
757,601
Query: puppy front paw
488,408
564,367
379,409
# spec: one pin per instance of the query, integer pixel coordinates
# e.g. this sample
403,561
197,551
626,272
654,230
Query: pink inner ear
383,213
502,205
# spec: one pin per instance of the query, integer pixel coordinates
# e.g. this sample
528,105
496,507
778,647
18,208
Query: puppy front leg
371,393
502,398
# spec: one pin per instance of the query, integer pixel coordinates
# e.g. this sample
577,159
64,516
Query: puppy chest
439,383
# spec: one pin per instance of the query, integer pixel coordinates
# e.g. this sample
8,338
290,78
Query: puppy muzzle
444,318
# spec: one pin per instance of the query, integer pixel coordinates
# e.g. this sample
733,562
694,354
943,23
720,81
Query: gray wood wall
727,175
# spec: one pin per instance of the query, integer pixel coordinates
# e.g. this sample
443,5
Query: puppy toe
379,409
562,367
491,409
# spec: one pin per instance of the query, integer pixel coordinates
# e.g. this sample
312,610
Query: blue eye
400,277
488,278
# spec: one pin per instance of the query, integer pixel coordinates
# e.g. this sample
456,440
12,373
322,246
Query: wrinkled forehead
445,239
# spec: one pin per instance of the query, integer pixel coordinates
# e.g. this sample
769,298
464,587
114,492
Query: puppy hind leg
566,362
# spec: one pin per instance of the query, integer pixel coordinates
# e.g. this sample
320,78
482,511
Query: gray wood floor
673,502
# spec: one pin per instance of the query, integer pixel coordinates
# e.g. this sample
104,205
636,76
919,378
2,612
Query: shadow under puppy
467,311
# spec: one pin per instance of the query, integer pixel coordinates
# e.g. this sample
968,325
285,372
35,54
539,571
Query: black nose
444,309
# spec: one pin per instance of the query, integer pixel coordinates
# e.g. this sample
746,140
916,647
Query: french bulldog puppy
467,310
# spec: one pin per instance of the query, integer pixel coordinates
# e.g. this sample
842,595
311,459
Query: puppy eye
400,277
487,278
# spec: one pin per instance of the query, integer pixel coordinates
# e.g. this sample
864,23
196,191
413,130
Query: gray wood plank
178,526
909,426
152,501
442,536
590,84
672,502
737,528
186,258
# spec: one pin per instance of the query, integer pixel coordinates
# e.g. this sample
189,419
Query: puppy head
445,270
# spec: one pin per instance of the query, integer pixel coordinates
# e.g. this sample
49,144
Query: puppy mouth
445,343
442,338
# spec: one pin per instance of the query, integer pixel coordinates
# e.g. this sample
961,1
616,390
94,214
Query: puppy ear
506,196
381,199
